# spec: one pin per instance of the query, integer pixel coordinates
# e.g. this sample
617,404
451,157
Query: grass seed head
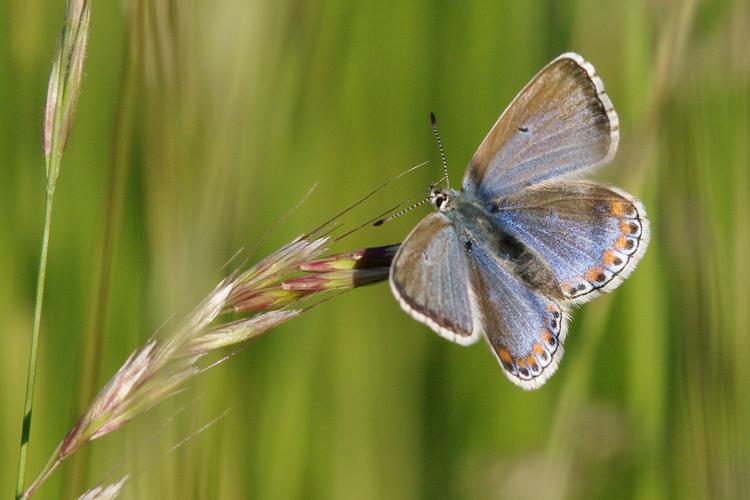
268,294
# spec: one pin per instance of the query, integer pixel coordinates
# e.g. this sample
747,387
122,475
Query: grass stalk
34,350
62,98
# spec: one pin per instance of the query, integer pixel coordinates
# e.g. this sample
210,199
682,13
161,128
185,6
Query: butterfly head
441,198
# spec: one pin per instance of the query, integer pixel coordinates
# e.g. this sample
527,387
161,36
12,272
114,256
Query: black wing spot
468,245
523,129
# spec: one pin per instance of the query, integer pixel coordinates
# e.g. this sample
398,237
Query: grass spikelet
273,291
105,492
65,85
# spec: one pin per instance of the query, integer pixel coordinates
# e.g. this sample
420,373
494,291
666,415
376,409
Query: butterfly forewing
561,123
430,279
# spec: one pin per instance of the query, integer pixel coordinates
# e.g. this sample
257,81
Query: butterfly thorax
442,199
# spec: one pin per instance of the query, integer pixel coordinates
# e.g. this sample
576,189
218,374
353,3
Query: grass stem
52,463
34,350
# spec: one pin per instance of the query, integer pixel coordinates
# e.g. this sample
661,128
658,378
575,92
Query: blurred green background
201,123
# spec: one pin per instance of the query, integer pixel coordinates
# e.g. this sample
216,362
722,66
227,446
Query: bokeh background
201,123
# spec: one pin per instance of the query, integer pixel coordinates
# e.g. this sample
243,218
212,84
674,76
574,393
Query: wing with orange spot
524,327
591,236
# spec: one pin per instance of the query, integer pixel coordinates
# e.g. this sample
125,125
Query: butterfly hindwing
524,327
591,236
560,124
430,279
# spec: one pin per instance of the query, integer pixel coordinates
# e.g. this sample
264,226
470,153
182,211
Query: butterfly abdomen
478,227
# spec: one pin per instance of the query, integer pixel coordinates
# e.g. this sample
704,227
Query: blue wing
561,123
430,279
524,327
591,236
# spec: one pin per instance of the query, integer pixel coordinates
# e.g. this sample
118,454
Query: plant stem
49,468
31,374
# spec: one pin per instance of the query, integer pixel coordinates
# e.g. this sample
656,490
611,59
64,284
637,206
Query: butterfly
523,241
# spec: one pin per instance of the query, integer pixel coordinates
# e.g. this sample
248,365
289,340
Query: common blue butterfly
508,255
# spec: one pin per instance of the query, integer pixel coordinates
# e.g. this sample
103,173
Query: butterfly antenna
433,122
380,222
382,219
